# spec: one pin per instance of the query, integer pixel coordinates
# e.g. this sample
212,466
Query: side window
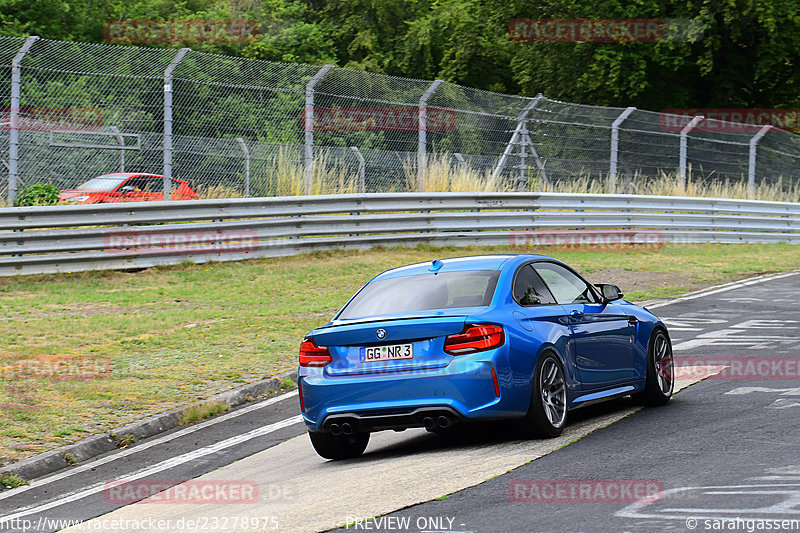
567,288
153,184
136,183
529,289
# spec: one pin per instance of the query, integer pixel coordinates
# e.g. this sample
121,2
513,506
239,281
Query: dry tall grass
669,185
443,175
288,177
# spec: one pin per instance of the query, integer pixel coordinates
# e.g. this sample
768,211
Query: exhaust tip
429,422
443,421
347,428
335,429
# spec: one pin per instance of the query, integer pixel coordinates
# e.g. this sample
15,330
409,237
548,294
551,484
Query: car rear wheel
660,381
339,446
547,413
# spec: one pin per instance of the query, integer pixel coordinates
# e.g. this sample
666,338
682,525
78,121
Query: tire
660,377
547,413
338,446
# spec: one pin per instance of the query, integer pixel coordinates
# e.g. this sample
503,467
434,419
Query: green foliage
10,481
744,53
39,194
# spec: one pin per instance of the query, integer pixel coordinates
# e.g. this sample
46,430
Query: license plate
385,353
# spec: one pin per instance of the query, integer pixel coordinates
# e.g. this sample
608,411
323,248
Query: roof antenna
436,265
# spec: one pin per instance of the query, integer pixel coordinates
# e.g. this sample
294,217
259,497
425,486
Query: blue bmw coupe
476,338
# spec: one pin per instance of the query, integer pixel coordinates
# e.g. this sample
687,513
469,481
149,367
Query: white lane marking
792,391
146,445
778,403
787,506
739,335
783,403
768,324
172,462
690,322
724,288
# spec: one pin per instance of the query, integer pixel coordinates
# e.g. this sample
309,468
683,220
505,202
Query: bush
39,194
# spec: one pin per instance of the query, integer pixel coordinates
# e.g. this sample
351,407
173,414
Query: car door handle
632,320
575,314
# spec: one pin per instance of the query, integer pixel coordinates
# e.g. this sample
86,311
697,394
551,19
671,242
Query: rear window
446,290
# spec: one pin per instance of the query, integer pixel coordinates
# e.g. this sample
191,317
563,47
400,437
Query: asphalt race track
724,455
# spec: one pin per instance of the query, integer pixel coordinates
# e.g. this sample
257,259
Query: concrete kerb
90,447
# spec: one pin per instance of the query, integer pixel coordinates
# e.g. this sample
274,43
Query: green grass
197,412
84,353
11,481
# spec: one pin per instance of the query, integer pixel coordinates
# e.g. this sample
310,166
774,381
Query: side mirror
126,189
609,292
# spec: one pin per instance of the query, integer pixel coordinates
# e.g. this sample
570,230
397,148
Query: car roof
455,264
131,174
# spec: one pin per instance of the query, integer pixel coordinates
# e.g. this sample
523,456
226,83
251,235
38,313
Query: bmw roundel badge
381,333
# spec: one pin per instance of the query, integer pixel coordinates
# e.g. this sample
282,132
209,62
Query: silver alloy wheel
553,392
663,363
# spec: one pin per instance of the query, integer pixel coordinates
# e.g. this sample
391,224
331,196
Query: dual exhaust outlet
345,428
440,421
430,419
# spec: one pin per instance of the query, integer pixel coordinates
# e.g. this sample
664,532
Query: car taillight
475,339
313,355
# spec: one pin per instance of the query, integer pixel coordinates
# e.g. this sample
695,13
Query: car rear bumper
462,390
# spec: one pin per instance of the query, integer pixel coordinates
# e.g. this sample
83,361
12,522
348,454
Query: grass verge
86,352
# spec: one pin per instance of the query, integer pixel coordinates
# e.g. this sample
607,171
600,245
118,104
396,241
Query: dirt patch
635,280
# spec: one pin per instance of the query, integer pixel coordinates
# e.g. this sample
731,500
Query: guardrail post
612,170
460,159
521,118
246,151
684,139
362,169
309,125
751,164
13,127
168,121
121,141
422,148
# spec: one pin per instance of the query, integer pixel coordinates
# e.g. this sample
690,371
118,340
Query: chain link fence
237,127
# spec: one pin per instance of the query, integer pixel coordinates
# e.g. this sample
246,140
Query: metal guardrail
143,234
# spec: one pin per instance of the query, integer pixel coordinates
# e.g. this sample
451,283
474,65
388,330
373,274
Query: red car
126,187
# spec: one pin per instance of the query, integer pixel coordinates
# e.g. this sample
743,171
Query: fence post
682,159
121,141
521,118
309,125
168,122
13,130
751,164
612,171
422,159
246,151
362,169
